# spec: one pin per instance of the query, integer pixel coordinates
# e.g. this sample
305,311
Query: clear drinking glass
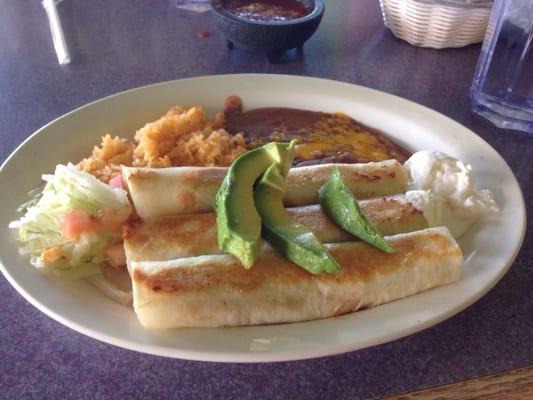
502,90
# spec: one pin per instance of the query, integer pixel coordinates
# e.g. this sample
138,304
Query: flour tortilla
182,190
190,235
216,291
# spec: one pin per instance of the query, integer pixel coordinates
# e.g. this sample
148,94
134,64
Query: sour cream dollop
442,187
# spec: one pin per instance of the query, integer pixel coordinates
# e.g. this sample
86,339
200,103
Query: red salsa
267,10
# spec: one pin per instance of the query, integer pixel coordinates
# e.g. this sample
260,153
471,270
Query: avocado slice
342,207
295,241
238,223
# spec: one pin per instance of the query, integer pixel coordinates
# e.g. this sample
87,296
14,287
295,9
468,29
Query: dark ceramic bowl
270,37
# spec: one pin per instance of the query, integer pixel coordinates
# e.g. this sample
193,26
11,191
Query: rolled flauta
189,235
216,291
181,190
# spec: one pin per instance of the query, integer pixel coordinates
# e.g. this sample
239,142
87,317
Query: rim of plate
285,355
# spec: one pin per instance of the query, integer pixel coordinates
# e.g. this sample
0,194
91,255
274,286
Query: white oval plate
489,247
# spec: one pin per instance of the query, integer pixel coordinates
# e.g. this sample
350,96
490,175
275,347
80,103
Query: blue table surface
120,44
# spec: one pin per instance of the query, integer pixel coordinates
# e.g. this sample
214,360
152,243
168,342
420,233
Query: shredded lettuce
66,190
62,269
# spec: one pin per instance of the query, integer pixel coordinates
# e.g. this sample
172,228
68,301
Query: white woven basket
437,24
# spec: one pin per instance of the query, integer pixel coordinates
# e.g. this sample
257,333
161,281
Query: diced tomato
116,182
75,222
79,221
115,255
